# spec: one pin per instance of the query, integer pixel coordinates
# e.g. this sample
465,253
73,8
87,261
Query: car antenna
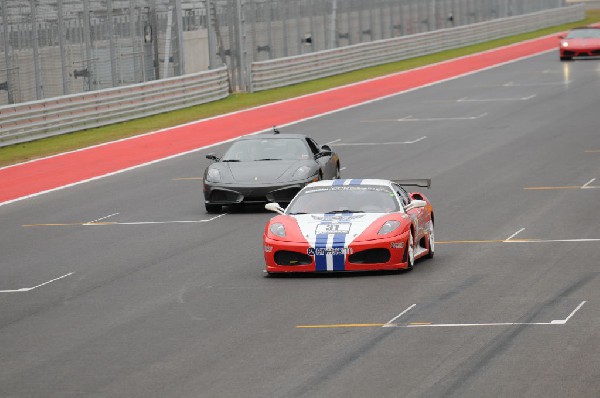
275,130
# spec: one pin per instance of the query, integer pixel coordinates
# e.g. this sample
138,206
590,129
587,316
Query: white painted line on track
102,218
588,186
515,234
554,322
105,223
513,84
563,321
340,143
332,142
549,240
410,118
467,99
27,289
390,323
157,222
435,119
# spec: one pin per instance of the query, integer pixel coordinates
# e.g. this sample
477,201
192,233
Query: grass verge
49,146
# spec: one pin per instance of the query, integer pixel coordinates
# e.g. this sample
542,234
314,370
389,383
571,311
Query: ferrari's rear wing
415,182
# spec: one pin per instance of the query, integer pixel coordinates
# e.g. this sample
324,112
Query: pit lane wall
280,72
29,121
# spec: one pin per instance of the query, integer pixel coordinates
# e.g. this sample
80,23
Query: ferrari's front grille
285,257
370,256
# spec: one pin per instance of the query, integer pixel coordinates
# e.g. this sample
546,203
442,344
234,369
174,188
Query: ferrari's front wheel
431,251
410,258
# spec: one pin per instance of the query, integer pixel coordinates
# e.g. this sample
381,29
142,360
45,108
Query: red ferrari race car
580,42
350,225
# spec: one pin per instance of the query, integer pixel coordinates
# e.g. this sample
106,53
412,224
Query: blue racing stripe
320,256
339,258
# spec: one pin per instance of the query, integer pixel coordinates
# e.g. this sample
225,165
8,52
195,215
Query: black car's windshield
584,34
344,199
256,149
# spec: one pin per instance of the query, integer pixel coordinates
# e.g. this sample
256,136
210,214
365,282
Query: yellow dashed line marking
69,225
342,325
550,188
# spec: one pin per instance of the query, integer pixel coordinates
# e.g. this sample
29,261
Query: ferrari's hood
316,227
265,171
590,42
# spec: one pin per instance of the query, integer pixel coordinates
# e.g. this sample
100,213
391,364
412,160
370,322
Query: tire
565,58
410,259
212,209
337,172
431,242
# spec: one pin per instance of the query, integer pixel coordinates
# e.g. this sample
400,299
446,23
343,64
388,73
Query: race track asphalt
125,287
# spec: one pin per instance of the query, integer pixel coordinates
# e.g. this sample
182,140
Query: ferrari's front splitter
374,255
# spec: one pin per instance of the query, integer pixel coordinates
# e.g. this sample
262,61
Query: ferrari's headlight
277,229
302,172
388,227
565,44
213,175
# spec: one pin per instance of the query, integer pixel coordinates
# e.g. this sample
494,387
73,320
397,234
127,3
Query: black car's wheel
566,58
410,259
212,209
431,242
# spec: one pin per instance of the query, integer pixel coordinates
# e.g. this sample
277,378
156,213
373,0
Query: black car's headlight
302,172
213,175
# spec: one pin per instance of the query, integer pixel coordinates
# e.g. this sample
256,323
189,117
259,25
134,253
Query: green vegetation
49,146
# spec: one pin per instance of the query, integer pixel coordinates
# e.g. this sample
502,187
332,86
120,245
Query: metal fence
52,48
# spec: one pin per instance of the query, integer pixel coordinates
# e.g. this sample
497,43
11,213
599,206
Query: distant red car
580,42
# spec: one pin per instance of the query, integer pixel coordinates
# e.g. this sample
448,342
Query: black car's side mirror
325,150
213,156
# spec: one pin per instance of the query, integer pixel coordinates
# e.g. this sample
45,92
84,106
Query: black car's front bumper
227,194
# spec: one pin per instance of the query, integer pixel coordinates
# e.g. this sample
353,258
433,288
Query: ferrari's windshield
584,34
344,199
256,149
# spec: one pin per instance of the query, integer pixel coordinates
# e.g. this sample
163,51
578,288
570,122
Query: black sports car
266,168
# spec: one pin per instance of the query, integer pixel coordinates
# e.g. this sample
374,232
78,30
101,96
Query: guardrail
291,70
40,119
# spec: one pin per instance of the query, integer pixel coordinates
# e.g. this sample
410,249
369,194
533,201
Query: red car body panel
580,42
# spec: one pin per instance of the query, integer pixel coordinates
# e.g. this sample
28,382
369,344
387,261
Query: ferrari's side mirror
415,204
274,207
213,156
